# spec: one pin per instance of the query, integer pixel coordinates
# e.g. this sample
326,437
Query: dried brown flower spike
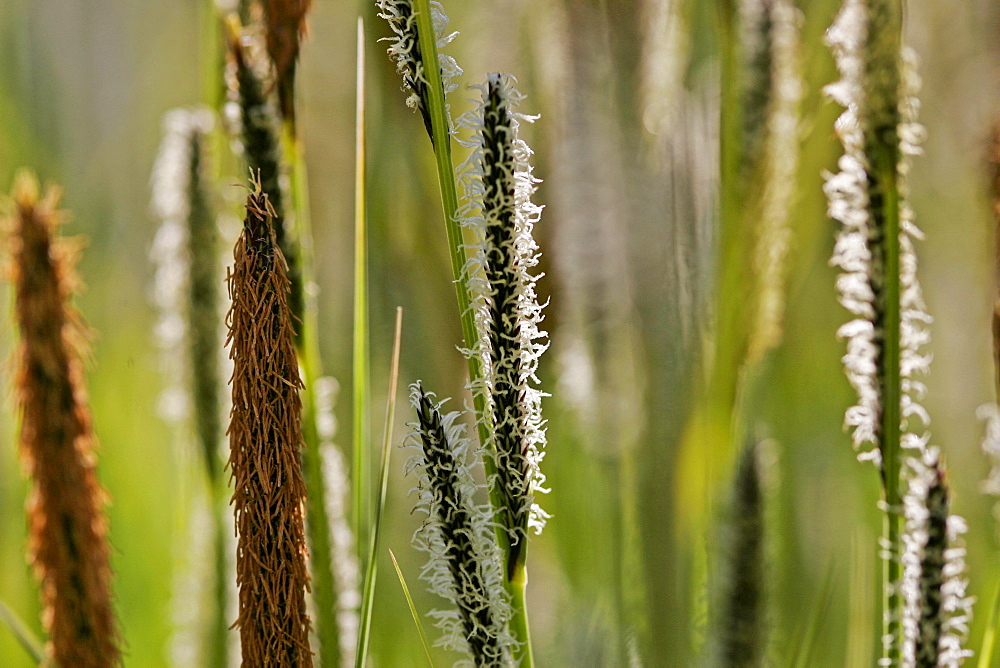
286,25
68,543
265,438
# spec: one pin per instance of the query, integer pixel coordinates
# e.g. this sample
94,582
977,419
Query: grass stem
371,571
361,398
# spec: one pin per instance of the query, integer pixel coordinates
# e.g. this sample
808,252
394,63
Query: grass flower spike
68,544
405,50
875,249
938,611
186,291
265,450
740,637
185,288
499,183
464,563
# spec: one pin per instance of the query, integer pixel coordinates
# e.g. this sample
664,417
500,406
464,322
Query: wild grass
688,152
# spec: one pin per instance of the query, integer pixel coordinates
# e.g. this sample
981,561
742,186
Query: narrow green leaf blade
413,610
20,630
368,593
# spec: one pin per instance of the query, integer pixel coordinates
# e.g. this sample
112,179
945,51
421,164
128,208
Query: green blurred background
625,147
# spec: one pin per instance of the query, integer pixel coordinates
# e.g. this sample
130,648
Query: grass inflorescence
69,532
265,436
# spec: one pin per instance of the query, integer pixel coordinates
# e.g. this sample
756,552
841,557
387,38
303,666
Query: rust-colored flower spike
265,439
68,544
286,26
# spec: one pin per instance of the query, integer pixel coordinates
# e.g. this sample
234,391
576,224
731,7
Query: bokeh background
626,147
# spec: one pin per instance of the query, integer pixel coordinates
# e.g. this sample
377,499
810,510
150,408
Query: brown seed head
68,542
265,438
286,26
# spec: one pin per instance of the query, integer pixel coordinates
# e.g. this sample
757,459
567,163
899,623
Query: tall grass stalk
361,468
464,565
758,158
413,611
324,588
22,632
371,565
937,609
740,625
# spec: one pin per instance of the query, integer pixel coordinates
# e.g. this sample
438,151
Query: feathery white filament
404,48
848,197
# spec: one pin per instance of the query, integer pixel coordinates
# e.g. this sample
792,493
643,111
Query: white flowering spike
776,24
171,205
187,294
464,564
498,183
405,50
346,572
990,415
937,609
878,87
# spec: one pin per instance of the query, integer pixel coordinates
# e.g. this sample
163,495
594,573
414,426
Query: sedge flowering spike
777,25
185,288
404,49
265,437
464,563
499,183
68,529
740,638
937,610
880,111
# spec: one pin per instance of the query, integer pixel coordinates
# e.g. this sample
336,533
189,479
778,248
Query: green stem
361,464
519,620
218,646
371,565
891,407
323,587
516,577
880,119
23,634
